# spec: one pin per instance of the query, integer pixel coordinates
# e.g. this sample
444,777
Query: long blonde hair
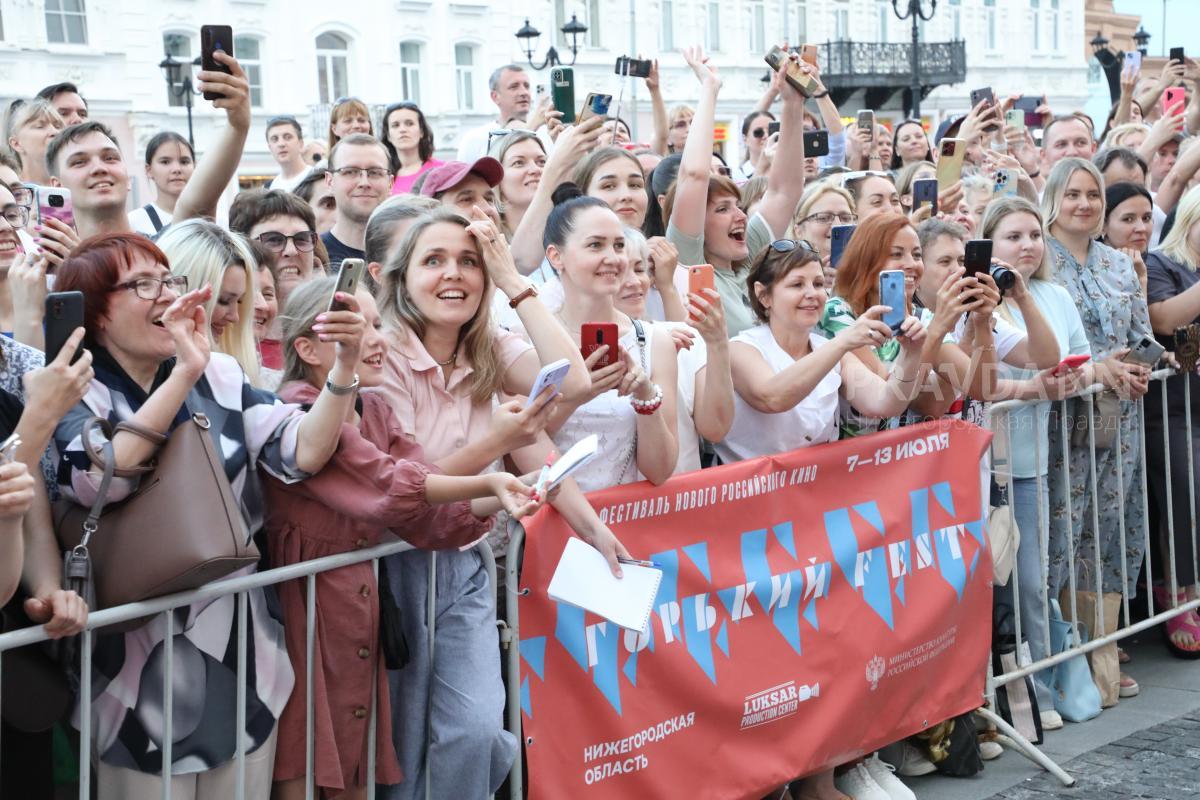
203,251
1175,246
397,309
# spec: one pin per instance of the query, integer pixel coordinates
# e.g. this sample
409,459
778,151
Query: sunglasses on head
788,245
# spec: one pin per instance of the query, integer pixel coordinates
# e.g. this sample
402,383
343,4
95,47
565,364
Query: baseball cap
452,173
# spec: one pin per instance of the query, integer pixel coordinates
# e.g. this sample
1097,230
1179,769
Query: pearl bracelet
648,406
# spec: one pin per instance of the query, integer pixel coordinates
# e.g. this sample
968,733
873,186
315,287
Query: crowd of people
403,409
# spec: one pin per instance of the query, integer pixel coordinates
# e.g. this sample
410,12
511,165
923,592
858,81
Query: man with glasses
286,143
510,92
284,224
361,179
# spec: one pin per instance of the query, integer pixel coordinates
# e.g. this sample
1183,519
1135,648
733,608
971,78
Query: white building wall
118,68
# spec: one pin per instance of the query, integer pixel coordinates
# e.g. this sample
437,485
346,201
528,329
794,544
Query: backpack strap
152,213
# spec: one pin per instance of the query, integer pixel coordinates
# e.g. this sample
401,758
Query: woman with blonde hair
30,127
208,255
1172,278
823,205
1104,287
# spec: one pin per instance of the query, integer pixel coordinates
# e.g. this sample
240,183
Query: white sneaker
913,762
859,784
989,750
882,775
1051,720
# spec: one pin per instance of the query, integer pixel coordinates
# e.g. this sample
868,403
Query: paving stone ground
1161,762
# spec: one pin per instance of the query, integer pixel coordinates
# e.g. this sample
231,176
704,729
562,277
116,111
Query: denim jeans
1028,571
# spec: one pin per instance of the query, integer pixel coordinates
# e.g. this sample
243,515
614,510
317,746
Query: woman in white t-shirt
170,162
704,404
787,378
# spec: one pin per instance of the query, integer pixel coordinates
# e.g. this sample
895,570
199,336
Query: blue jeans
458,685
1028,571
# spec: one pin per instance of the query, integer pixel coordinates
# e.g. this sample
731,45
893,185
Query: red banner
815,605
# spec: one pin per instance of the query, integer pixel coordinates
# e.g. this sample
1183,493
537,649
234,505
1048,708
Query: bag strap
640,333
104,456
152,213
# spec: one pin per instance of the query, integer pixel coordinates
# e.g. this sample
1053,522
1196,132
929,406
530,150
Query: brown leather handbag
180,529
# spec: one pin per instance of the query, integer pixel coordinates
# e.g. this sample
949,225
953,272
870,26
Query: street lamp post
528,35
179,84
916,12
1142,40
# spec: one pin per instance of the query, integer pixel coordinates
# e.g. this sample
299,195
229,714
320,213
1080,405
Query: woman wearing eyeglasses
285,225
822,206
408,139
13,217
153,368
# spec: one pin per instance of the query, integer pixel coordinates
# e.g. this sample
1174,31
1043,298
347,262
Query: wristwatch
342,390
530,291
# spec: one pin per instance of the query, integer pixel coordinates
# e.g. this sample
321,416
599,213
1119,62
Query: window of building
666,28
712,26
179,47
989,11
410,71
1054,25
756,26
1035,7
956,19
801,10
882,11
249,54
593,23
333,55
841,22
464,75
66,21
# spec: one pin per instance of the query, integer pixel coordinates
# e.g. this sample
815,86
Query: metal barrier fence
238,586
1000,422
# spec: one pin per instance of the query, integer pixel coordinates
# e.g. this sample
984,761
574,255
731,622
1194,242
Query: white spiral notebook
583,578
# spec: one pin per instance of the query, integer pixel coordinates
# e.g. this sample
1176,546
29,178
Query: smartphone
808,52
1015,118
213,38
1133,61
1029,105
839,237
349,274
816,143
891,293
1177,54
1147,352
553,374
866,120
64,313
984,95
797,77
950,161
8,448
1005,184
700,277
595,105
925,191
1174,95
562,92
978,257
1071,362
772,128
636,67
1187,347
54,203
592,335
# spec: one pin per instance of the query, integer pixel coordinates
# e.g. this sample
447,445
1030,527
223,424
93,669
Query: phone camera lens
56,201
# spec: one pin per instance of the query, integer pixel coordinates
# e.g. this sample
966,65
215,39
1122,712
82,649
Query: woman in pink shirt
408,140
445,369
375,483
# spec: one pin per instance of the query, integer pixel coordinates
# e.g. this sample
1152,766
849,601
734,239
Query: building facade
302,55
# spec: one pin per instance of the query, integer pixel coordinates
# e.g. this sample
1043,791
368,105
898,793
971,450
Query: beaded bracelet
648,406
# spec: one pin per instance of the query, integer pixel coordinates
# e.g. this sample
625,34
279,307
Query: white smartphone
553,374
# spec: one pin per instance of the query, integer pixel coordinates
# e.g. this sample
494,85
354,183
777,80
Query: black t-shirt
1166,278
338,250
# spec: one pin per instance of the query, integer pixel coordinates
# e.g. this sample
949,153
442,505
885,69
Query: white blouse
811,421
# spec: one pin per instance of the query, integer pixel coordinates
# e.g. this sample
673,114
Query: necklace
448,361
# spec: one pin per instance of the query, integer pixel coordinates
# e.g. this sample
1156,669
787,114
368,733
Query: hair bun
565,191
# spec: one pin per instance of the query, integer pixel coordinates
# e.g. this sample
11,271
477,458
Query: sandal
1122,656
1129,687
1182,632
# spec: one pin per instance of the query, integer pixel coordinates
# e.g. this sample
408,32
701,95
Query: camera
1004,277
55,201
